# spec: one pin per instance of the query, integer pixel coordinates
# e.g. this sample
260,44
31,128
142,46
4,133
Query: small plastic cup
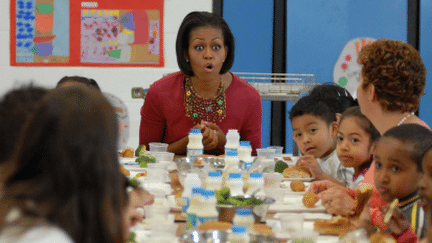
276,193
292,223
266,153
163,156
158,147
272,179
279,150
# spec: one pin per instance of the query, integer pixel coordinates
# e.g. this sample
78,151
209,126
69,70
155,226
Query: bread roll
215,225
263,229
381,238
363,194
297,172
337,225
297,186
309,199
128,152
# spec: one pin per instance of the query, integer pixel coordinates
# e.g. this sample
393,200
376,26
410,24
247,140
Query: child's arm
312,164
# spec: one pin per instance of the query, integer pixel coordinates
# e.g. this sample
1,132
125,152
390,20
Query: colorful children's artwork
94,33
39,34
346,70
120,36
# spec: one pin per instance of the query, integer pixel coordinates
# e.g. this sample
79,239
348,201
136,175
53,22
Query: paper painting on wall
77,33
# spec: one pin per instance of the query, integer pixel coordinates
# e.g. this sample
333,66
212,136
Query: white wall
118,81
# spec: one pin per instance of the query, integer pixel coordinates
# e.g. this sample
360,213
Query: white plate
298,179
124,160
293,203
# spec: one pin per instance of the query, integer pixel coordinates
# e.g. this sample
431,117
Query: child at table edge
314,127
407,221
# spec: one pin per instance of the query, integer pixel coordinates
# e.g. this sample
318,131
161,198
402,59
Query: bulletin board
86,33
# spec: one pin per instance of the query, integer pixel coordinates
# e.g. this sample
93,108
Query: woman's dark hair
203,19
365,124
15,108
336,96
87,81
65,169
413,134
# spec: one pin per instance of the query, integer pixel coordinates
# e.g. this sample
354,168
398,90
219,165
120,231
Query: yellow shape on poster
127,32
99,12
93,11
85,12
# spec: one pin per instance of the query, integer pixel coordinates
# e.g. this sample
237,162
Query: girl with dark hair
204,94
63,182
77,80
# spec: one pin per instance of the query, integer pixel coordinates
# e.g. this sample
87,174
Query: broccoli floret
140,151
145,158
280,166
222,195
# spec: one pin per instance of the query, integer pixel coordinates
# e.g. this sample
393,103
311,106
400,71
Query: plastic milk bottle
232,141
195,146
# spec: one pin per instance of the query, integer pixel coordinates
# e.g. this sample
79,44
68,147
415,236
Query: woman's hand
320,186
338,201
221,138
210,139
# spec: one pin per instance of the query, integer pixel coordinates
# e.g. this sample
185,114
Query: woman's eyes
200,47
313,130
297,135
354,140
339,138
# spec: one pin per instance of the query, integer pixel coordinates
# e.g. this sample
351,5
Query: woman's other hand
221,138
338,201
320,186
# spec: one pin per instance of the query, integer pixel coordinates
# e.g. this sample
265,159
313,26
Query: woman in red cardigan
204,94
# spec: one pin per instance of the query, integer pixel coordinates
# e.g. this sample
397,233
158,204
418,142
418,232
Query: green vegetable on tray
143,160
280,166
140,151
223,197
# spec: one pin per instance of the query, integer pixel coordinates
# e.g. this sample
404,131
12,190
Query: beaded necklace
208,109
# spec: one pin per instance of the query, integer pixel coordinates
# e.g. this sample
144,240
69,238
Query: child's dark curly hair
397,72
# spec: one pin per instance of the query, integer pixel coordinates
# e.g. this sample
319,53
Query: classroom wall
118,81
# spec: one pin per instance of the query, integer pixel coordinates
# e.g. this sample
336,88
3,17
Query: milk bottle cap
256,175
234,176
232,153
214,174
245,143
193,130
239,229
244,211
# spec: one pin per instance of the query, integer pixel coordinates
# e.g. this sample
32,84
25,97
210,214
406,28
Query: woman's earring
187,60
223,61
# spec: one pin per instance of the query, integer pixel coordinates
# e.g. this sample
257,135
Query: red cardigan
163,115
